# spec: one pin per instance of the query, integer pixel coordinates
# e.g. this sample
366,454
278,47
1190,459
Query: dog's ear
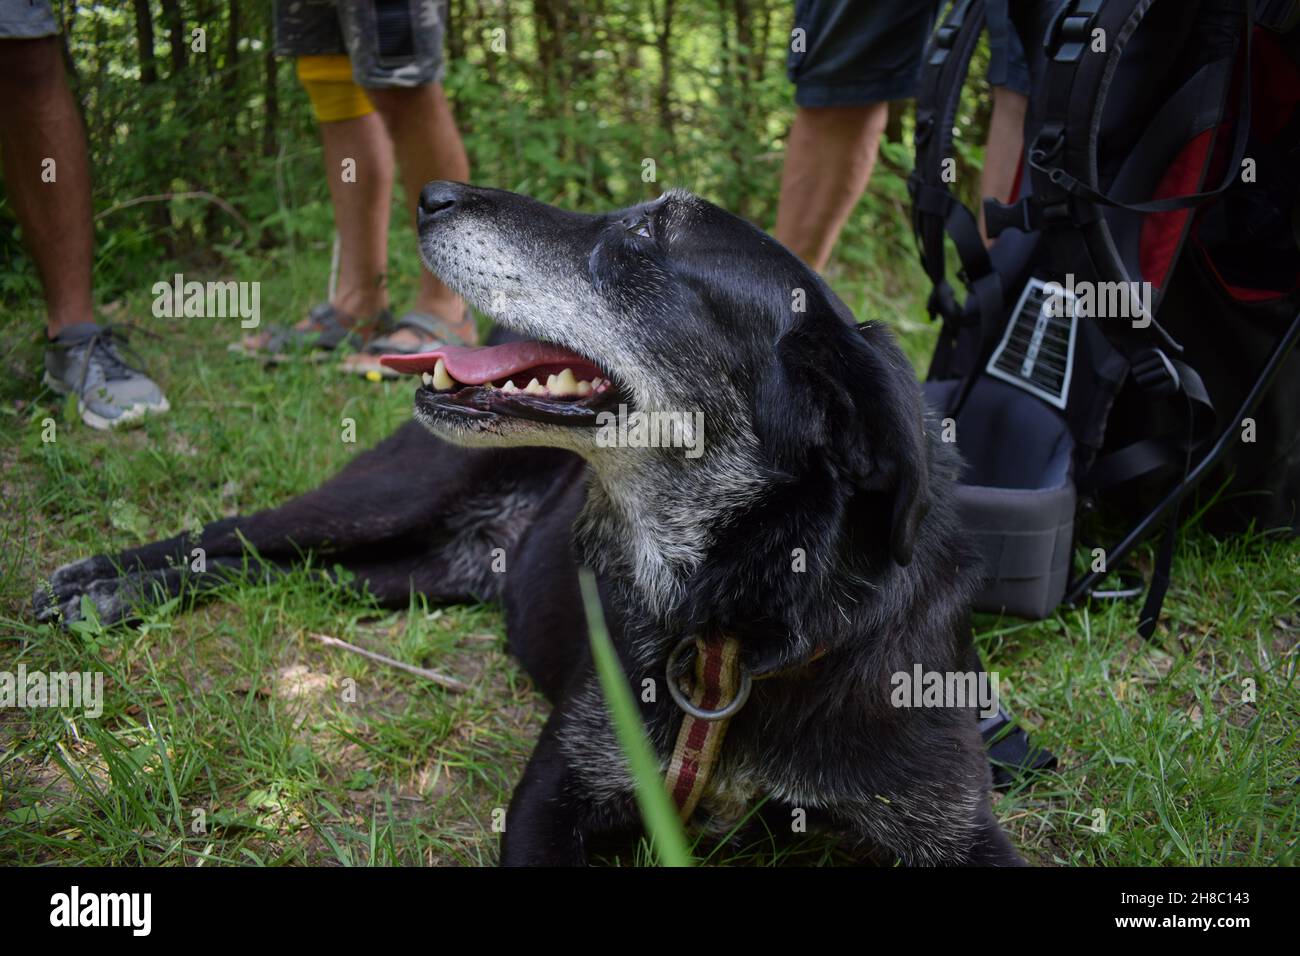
842,395
899,436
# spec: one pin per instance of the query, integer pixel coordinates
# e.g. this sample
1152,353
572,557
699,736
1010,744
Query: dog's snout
439,198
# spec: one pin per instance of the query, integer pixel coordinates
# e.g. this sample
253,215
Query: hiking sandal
327,333
433,329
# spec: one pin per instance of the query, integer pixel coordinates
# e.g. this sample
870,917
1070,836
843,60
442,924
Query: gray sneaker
86,360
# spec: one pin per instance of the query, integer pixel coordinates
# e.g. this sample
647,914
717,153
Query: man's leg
397,58
1002,153
39,122
851,60
828,162
361,210
359,171
359,166
47,175
428,146
1008,75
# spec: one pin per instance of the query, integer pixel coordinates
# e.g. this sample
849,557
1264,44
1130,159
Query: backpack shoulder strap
1057,164
1067,199
936,212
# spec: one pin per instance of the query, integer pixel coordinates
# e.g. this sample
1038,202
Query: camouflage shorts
390,42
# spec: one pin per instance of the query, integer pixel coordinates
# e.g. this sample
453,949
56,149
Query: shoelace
108,345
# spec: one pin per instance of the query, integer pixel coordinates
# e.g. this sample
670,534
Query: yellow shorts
328,82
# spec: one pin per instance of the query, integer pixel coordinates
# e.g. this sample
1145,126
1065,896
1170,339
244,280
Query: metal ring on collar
682,701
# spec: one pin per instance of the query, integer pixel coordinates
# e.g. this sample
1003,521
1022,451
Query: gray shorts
27,20
390,42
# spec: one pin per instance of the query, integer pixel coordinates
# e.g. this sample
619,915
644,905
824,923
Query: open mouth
533,380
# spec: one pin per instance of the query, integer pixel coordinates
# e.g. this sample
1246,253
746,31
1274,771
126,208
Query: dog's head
671,323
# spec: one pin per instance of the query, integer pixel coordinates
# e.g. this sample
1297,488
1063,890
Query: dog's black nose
439,198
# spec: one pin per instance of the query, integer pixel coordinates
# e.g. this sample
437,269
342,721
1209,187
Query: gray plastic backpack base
1016,495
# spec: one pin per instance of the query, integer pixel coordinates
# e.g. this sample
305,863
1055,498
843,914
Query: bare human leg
428,146
829,158
39,124
1003,151
361,215
361,210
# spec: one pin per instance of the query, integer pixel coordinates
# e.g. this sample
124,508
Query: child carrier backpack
1128,337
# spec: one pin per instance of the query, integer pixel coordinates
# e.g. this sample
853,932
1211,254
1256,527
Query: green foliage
565,101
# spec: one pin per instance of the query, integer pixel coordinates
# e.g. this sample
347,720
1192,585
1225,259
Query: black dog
803,507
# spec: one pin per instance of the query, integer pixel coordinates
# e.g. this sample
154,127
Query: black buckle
946,36
999,217
1071,31
1027,215
1054,214
1154,373
924,127
943,305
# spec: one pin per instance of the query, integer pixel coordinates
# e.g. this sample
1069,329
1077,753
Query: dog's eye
642,228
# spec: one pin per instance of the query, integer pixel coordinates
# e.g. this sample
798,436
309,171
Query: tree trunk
744,46
175,35
144,42
894,126
228,104
665,46
455,39
760,50
490,61
549,15
159,214
230,78
271,119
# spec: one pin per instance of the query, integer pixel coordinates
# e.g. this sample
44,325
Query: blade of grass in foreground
657,809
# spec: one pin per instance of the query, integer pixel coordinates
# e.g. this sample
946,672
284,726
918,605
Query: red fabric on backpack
1162,232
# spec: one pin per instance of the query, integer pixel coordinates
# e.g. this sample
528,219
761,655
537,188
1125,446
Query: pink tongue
478,366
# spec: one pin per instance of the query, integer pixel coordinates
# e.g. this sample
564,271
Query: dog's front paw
96,578
66,584
104,596
45,603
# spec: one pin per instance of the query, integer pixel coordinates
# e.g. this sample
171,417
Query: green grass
662,825
230,736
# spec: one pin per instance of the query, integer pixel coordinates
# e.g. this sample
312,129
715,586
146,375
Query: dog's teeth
441,380
534,388
509,386
427,379
584,388
563,384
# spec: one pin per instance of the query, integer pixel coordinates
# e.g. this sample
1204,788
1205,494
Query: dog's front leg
556,810
544,823
990,845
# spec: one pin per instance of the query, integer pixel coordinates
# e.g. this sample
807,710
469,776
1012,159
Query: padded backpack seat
1016,494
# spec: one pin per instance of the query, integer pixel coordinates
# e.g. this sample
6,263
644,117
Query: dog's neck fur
652,515
650,522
